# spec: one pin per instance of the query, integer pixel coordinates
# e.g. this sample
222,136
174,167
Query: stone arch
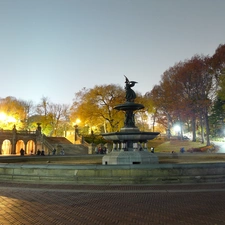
6,147
19,144
30,147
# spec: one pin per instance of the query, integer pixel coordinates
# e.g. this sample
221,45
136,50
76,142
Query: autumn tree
218,61
95,107
166,98
53,117
218,67
29,110
42,116
198,86
217,118
59,118
14,111
185,92
143,117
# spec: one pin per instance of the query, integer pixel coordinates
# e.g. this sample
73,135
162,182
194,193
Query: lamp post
75,133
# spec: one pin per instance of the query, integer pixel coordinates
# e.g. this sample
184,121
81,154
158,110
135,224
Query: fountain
129,144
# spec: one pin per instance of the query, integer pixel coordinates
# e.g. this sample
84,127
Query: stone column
91,149
145,146
25,148
135,146
118,146
39,138
114,146
123,145
0,148
14,140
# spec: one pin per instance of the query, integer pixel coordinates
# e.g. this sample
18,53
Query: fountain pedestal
129,158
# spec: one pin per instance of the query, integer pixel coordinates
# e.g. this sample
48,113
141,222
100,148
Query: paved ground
106,205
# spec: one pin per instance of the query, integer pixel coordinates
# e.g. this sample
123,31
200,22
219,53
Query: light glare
7,119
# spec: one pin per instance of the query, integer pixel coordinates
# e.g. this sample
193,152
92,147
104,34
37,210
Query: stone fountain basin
129,106
134,136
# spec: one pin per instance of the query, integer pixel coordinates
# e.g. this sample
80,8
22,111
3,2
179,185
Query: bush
96,139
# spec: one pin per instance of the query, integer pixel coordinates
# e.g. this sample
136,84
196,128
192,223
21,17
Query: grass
162,145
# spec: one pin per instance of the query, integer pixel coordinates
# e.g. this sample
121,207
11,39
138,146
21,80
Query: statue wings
131,83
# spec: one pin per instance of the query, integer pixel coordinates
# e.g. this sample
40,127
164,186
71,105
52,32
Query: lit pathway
130,204
221,146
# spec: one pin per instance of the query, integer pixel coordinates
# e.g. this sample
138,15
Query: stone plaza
58,191
45,204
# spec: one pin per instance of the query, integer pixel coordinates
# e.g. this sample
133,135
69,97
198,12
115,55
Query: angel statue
130,94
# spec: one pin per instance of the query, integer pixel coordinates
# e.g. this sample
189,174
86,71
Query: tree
185,92
53,117
161,113
59,118
143,116
217,118
218,61
166,98
218,69
95,107
13,111
43,115
29,110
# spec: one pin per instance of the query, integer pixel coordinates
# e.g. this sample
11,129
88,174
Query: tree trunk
202,130
168,126
181,130
193,129
153,123
207,127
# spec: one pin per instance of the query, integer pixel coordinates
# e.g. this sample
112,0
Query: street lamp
76,130
75,133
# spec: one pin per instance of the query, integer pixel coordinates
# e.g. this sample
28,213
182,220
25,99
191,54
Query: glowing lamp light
176,128
77,121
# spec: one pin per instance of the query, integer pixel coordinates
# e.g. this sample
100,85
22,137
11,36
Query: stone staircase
69,148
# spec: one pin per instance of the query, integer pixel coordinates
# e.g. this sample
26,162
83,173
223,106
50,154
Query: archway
6,147
30,147
20,144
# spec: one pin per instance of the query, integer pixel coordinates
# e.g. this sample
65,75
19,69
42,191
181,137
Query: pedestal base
129,158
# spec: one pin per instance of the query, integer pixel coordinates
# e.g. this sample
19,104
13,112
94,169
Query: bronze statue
130,94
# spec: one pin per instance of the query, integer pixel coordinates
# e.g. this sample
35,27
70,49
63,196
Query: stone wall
101,174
